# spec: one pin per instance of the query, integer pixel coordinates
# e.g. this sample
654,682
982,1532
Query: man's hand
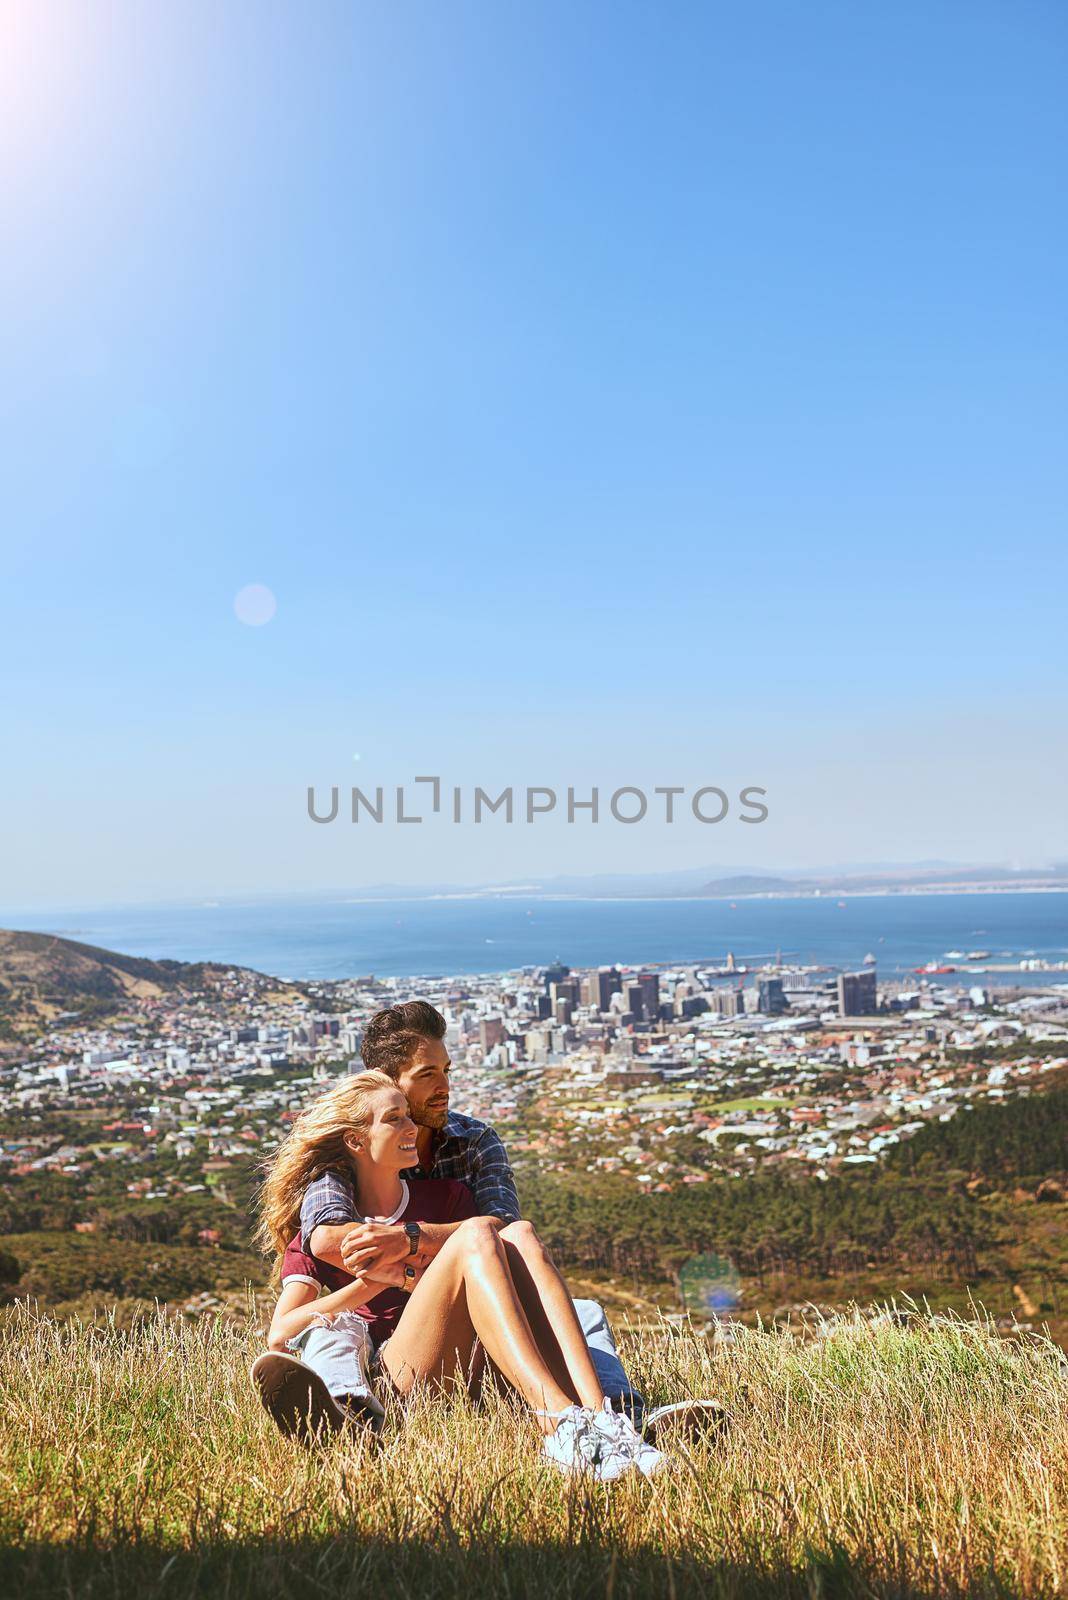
371,1248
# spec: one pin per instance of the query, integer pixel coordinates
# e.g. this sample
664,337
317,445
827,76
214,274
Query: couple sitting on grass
404,1260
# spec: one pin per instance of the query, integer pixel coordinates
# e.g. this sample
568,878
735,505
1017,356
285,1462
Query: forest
1025,1138
768,1224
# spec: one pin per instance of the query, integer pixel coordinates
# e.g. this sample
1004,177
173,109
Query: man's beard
429,1116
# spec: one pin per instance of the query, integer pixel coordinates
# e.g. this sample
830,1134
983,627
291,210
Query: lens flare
710,1286
254,605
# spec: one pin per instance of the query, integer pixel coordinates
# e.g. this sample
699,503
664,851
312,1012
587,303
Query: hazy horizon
542,885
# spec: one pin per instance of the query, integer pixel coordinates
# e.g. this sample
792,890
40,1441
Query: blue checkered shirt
465,1148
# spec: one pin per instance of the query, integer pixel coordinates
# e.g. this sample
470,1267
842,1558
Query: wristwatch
414,1232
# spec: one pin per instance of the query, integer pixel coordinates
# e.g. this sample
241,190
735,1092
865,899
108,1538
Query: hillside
42,975
753,883
895,1459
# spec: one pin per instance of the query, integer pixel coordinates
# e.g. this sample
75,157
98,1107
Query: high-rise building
650,987
539,1044
634,995
857,994
689,1005
771,1000
565,989
603,985
491,1031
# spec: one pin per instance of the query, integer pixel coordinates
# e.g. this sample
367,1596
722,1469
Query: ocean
341,938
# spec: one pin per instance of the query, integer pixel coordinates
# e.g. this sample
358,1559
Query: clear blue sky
607,393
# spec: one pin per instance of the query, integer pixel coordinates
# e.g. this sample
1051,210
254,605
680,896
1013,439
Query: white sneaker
625,1442
580,1445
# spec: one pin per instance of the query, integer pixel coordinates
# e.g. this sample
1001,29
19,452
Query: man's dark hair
392,1036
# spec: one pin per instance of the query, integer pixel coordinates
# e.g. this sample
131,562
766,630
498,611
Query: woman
488,1286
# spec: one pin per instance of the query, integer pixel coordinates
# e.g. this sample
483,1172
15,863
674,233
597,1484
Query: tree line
769,1224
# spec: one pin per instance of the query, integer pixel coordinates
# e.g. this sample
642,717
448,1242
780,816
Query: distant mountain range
744,882
899,881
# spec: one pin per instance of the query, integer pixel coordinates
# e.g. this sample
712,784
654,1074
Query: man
408,1043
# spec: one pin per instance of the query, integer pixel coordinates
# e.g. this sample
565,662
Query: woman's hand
394,1277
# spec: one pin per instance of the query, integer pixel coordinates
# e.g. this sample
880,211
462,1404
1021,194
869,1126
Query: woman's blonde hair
314,1145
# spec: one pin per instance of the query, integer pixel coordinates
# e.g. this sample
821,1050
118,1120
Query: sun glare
48,53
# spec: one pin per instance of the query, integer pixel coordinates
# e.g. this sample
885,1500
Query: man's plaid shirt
465,1148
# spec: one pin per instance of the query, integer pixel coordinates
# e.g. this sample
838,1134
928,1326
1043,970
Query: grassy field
757,1102
923,1459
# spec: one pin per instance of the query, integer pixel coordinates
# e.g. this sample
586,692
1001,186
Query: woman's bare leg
437,1343
467,1290
553,1320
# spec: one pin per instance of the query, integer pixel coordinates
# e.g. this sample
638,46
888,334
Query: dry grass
923,1459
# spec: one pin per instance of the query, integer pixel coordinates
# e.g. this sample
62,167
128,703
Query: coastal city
667,1075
